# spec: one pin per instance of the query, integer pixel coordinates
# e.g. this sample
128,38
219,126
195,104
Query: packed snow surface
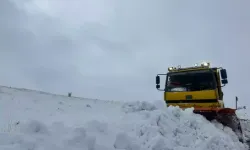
38,121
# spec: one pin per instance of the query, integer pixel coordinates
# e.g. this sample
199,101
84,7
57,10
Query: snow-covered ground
39,121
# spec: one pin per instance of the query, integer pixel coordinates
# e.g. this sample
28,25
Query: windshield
190,81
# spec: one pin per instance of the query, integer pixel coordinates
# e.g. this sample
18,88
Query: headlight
205,64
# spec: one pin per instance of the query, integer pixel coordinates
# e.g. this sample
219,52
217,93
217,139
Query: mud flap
225,116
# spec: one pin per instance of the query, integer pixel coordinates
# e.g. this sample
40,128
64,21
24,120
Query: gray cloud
114,50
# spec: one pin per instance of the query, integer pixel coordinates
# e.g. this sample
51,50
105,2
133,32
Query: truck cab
198,86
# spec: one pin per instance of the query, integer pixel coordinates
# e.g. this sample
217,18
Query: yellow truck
200,87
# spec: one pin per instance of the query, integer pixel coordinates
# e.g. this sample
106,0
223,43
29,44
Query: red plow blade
225,116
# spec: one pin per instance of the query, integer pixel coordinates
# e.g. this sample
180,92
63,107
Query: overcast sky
112,50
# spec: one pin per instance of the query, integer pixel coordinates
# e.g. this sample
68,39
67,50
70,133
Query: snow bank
243,114
138,106
246,126
173,129
105,126
178,129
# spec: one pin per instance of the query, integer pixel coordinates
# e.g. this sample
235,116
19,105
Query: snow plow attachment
200,87
225,116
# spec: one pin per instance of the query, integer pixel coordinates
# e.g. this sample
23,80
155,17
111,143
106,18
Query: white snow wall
37,120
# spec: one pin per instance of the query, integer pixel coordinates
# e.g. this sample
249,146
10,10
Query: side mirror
224,81
157,80
223,73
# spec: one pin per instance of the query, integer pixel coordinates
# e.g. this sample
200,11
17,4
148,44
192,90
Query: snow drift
35,121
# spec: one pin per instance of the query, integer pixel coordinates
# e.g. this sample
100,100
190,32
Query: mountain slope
36,120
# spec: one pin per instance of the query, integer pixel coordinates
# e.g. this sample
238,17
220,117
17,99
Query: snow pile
243,114
36,121
35,135
138,106
245,123
246,126
177,129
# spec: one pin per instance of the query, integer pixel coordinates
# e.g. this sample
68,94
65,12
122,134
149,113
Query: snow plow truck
200,87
